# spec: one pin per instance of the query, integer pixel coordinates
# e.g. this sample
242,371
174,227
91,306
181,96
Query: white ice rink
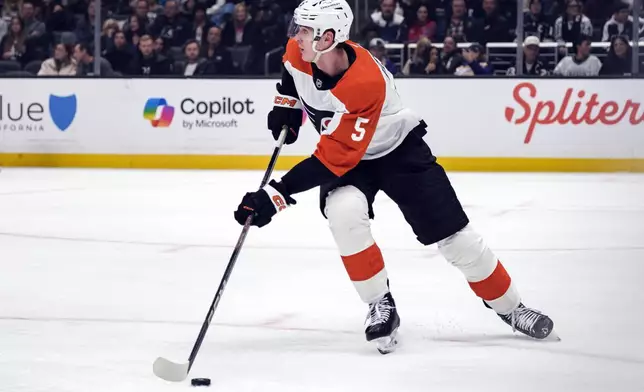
101,271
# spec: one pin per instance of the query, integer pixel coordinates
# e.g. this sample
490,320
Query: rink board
474,124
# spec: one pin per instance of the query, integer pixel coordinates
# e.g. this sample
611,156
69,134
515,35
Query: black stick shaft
233,257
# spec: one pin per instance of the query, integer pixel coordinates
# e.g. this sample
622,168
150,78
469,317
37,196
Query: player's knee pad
347,211
487,277
468,252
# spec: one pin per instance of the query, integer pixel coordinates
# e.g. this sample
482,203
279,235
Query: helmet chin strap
319,53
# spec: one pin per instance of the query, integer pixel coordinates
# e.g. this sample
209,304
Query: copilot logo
158,112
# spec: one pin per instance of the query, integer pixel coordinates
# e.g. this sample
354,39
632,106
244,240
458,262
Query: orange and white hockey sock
348,213
485,274
367,272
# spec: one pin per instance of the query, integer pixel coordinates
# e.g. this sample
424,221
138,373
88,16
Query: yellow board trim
246,162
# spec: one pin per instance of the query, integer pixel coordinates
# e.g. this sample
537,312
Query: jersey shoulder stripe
363,84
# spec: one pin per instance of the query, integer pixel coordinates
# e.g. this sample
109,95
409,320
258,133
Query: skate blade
387,344
553,337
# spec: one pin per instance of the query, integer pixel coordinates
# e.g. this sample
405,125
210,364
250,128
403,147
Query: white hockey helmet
323,15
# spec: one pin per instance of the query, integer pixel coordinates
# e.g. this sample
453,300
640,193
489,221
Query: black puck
200,382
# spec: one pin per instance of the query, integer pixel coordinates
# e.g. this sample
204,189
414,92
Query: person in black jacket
618,61
450,57
149,63
83,54
573,24
194,64
84,30
200,24
58,18
241,30
134,30
621,23
536,23
120,54
493,27
220,61
171,27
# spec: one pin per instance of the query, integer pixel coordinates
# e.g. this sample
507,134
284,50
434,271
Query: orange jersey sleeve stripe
494,286
363,93
365,264
294,57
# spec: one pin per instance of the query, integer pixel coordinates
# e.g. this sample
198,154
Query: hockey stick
172,371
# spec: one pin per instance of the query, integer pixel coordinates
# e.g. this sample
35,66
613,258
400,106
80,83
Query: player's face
304,38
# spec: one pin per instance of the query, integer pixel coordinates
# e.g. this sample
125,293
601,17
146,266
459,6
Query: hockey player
370,142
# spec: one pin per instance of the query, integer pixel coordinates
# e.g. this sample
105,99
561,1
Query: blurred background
143,38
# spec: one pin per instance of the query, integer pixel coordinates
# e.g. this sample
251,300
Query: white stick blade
169,370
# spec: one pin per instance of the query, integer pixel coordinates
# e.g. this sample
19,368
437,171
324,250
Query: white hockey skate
382,324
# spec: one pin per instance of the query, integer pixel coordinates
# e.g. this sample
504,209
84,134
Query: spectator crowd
451,36
232,37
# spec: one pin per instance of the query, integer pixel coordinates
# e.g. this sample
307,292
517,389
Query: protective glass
294,29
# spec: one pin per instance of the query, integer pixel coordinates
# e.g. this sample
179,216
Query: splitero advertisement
467,118
535,118
576,107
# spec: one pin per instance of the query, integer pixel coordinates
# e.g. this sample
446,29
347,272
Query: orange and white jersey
360,117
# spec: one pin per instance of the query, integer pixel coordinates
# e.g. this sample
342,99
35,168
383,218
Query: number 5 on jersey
359,131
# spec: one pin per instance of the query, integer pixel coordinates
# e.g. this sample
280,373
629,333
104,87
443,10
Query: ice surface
101,271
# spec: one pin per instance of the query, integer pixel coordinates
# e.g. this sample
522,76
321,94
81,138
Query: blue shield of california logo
62,110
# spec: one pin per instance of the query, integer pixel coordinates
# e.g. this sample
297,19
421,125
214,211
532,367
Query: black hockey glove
287,111
263,204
